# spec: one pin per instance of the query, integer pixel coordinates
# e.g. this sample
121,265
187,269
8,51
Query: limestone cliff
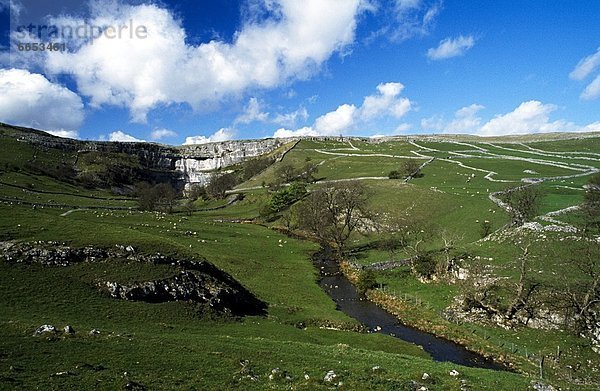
183,165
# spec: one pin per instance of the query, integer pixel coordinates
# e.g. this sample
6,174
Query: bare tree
334,213
525,288
580,301
487,293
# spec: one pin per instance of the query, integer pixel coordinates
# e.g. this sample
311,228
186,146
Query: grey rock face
196,162
188,164
195,281
43,329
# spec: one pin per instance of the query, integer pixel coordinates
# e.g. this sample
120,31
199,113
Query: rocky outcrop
183,165
195,286
197,162
194,281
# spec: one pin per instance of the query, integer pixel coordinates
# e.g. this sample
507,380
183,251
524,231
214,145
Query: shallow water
347,298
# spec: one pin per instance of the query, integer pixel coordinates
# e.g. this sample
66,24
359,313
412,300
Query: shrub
366,280
424,265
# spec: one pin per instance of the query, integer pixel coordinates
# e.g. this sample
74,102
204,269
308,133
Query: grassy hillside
177,346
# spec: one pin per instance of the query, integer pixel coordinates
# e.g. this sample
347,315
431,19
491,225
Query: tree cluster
287,173
410,168
253,167
283,198
523,202
161,197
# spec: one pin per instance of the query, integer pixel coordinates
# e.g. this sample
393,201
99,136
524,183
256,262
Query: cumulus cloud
335,122
529,117
29,99
140,74
159,134
122,137
222,134
465,121
302,132
64,133
387,102
451,47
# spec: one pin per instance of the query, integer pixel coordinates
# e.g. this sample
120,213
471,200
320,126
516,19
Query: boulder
43,329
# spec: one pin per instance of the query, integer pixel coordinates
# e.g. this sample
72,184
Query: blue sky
209,71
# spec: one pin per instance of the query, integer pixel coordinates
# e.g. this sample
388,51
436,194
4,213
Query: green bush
425,265
366,281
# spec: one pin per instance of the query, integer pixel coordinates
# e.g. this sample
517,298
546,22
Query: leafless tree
580,300
333,213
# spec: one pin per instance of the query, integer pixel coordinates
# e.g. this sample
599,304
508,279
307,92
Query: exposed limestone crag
194,281
186,165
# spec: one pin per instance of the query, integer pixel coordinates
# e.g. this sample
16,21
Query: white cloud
291,119
413,18
407,4
335,122
529,117
586,66
403,128
385,103
141,74
159,134
222,134
465,121
252,113
29,99
64,133
302,132
592,91
451,47
122,137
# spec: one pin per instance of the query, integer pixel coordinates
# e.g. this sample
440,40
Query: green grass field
173,346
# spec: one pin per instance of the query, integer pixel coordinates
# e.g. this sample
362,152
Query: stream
347,298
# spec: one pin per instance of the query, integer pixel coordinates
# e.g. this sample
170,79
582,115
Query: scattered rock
539,386
69,330
330,376
46,328
94,332
425,376
135,386
64,373
454,373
